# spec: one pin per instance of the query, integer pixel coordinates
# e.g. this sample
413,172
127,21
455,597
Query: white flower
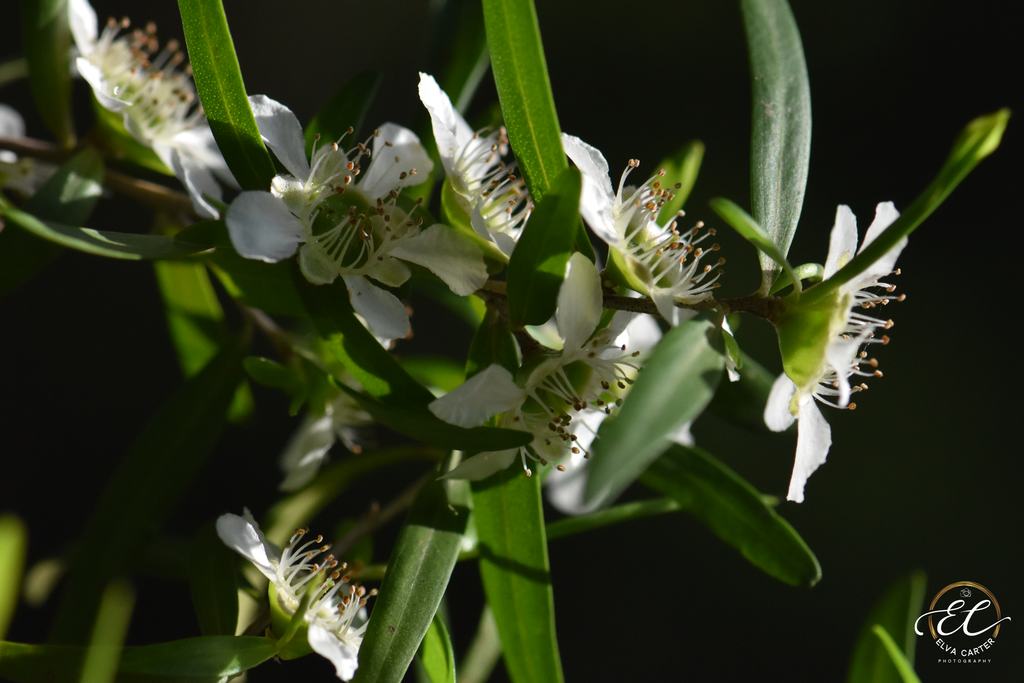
308,447
497,202
346,227
582,378
336,615
664,263
24,175
848,331
156,97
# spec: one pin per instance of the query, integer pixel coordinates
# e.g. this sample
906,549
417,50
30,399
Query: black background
925,474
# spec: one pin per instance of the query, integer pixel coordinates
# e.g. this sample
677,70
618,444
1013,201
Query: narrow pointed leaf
436,653
484,651
211,580
222,92
492,343
524,90
46,37
896,613
146,486
13,545
105,647
613,515
899,660
735,512
978,139
119,245
677,382
537,266
516,574
750,230
68,197
346,107
780,135
418,572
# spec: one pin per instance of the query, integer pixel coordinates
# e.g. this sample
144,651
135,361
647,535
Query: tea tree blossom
131,75
335,613
25,175
308,447
348,220
487,189
553,391
825,343
661,262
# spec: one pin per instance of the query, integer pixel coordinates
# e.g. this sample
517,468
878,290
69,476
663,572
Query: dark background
925,474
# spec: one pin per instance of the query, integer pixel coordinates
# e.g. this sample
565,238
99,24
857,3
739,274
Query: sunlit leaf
677,382
735,512
104,653
899,660
516,575
418,572
222,92
436,653
896,612
780,136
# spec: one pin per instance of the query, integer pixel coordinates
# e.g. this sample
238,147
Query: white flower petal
642,334
591,163
282,133
489,392
885,215
842,241
317,268
344,656
389,162
566,492
306,450
776,412
384,314
197,179
483,465
451,131
261,227
579,303
390,272
597,198
814,438
93,75
665,301
244,537
12,125
200,144
84,27
447,254
682,435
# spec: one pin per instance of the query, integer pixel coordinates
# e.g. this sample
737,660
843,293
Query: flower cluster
335,612
825,345
348,219
152,88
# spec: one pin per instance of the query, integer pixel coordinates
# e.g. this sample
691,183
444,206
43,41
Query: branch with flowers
286,256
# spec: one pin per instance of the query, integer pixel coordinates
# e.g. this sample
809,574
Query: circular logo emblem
964,621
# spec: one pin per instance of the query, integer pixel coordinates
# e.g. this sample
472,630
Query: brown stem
378,516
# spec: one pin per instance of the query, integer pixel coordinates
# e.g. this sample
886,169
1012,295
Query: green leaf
978,139
222,92
196,322
613,515
516,575
750,230
418,572
436,653
814,272
46,37
205,659
903,666
484,652
146,486
435,371
735,512
119,245
780,136
524,90
69,197
677,382
297,509
896,613
423,426
346,107
104,653
13,546
357,349
211,579
492,343
743,402
537,266
266,286
681,168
